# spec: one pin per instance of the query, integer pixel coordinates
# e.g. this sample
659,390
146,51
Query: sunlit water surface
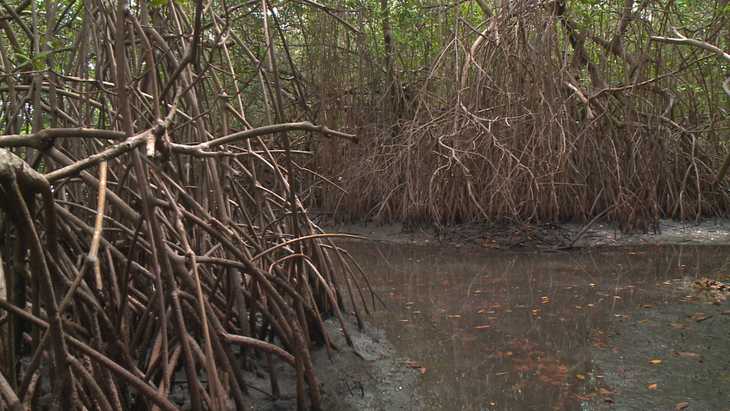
496,330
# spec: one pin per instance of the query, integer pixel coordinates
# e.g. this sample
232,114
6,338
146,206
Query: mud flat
714,231
673,356
368,376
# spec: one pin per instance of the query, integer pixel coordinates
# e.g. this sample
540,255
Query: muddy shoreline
370,375
698,353
560,236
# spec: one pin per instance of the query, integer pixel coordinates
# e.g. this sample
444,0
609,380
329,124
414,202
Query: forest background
173,149
497,111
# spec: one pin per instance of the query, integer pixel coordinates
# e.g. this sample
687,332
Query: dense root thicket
147,231
525,112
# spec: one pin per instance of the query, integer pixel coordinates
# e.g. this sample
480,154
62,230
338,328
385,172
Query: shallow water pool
495,330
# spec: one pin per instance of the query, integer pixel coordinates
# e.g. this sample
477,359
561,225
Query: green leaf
43,54
156,3
21,56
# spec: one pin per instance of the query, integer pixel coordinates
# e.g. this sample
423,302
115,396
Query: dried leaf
655,361
604,391
580,377
689,354
653,387
682,405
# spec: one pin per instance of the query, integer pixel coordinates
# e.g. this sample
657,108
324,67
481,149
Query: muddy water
516,330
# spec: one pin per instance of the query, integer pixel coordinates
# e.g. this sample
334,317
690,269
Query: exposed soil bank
368,376
546,236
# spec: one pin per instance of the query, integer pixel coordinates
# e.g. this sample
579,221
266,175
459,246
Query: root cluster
147,229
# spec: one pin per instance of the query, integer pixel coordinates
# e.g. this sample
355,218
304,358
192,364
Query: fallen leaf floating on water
604,391
653,387
682,405
688,354
586,397
655,361
580,377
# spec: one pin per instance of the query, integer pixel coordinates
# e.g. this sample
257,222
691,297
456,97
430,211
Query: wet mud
675,355
370,375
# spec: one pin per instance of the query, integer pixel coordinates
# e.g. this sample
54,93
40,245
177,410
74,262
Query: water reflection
513,330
